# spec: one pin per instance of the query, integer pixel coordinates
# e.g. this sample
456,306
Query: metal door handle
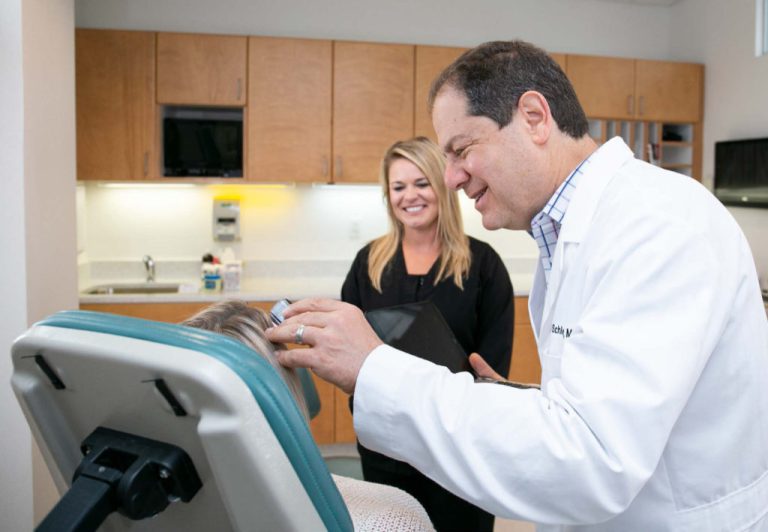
324,166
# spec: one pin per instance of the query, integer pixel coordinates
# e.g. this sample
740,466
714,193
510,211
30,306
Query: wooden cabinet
617,88
605,85
344,426
640,100
166,312
197,69
525,354
316,110
669,92
289,110
430,62
560,59
115,105
372,106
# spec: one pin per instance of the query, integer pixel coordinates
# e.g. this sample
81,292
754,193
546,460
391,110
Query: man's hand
337,335
482,369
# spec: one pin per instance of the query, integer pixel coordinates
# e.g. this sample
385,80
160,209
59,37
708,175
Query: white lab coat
653,340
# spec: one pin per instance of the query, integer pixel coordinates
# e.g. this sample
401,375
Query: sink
133,288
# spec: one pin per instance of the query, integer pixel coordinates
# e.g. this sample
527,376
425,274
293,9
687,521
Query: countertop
260,280
269,288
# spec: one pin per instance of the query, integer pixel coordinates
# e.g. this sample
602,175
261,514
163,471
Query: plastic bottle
232,271
211,276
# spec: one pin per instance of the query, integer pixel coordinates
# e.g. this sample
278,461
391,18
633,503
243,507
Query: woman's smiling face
411,196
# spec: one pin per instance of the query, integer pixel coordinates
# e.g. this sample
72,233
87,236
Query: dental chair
154,426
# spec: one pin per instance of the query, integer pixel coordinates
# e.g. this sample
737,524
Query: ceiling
660,3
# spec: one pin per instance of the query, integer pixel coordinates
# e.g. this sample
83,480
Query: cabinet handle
239,88
337,167
630,105
324,166
146,163
641,106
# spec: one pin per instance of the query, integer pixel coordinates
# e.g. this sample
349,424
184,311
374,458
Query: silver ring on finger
299,336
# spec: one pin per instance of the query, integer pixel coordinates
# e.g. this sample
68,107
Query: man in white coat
653,408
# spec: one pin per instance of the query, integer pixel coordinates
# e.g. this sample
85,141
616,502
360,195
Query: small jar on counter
211,277
212,282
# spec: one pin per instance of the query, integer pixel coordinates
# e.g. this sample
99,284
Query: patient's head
247,324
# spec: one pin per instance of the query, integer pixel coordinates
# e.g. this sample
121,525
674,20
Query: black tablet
420,329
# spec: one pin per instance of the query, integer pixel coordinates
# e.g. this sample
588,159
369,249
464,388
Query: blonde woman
427,256
372,507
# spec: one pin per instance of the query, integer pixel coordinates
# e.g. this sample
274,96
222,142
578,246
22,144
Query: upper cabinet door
560,59
115,105
668,91
372,106
430,62
196,69
605,85
289,110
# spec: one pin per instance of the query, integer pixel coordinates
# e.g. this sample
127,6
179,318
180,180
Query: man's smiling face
500,169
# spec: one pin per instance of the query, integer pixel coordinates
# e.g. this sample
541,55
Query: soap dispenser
226,220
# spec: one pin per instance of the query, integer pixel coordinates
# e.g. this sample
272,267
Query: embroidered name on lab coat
562,331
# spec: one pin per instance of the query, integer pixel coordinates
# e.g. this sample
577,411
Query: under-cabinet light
345,186
145,185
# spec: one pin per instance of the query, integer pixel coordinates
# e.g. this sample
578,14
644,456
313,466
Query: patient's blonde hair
246,324
455,257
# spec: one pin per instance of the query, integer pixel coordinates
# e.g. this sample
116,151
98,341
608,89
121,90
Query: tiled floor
505,525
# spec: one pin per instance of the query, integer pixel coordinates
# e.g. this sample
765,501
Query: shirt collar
545,226
557,205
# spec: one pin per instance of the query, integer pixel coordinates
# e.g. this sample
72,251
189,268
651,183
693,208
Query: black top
481,315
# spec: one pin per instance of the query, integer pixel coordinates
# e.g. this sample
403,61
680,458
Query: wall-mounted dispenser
226,220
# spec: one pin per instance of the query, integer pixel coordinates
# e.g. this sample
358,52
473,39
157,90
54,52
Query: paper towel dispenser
226,220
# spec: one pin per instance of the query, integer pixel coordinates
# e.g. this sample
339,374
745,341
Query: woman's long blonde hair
455,257
246,324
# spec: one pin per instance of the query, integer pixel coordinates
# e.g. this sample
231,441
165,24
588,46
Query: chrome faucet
149,265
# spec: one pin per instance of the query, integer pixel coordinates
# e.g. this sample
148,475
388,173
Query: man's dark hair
494,75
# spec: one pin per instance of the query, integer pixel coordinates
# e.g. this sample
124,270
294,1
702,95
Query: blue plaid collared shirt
545,226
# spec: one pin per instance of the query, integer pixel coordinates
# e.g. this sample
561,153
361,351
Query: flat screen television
202,147
741,172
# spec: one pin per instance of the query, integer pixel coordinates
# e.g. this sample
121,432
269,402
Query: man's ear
533,109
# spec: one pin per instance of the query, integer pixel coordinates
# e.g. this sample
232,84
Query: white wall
287,223
49,179
722,36
37,216
583,26
16,465
49,156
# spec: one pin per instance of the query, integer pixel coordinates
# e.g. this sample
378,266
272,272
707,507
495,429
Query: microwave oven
202,147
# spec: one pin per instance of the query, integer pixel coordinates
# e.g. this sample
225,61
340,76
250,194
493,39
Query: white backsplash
302,228
287,231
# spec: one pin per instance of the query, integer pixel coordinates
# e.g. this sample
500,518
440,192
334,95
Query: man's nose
455,177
